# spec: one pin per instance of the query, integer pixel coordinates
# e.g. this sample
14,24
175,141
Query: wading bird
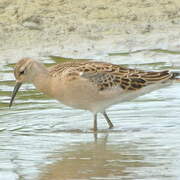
88,85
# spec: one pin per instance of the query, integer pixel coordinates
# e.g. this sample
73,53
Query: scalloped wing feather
106,75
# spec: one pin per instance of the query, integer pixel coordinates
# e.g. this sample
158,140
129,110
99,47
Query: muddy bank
86,28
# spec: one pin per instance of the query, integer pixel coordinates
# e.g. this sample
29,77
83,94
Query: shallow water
43,139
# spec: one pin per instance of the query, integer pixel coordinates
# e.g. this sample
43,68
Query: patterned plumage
89,85
106,75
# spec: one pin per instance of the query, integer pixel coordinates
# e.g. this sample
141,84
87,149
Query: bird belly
86,96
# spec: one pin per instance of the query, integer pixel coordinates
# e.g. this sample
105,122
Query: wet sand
86,28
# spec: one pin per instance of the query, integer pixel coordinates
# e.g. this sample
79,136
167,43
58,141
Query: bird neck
41,78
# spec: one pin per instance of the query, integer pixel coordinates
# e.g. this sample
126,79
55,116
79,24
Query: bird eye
21,72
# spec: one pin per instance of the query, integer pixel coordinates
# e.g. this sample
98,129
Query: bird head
22,73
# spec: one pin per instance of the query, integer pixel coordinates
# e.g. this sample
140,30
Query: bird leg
95,122
108,120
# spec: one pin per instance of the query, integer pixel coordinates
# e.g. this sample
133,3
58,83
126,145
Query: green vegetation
165,51
59,59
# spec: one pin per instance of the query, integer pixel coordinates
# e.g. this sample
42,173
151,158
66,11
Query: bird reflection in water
97,159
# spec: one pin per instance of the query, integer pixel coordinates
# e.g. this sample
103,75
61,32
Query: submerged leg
108,120
95,122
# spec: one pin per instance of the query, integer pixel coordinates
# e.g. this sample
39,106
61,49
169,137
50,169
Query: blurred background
86,28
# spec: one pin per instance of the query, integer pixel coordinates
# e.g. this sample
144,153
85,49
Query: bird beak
16,88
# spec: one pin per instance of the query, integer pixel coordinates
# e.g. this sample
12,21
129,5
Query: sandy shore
87,28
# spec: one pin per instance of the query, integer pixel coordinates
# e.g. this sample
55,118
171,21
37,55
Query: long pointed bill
16,88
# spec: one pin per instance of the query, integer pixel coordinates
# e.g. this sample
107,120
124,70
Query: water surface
42,139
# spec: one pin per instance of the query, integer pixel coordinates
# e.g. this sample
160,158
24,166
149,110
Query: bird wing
107,75
127,81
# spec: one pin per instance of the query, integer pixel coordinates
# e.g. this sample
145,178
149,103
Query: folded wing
127,81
